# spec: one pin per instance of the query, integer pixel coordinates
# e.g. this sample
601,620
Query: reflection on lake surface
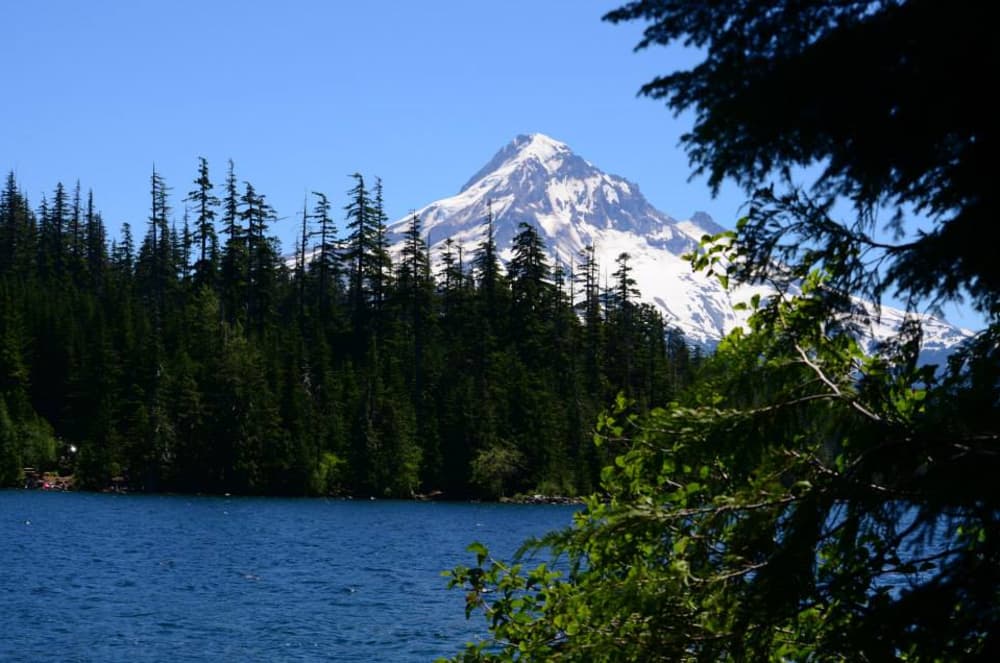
89,577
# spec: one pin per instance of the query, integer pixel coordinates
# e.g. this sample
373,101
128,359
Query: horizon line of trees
197,359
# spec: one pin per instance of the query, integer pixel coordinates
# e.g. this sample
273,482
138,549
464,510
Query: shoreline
66,485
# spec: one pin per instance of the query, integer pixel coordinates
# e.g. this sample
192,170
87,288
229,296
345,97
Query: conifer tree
326,259
54,232
96,250
123,257
532,294
622,328
256,216
234,257
451,278
414,285
358,244
299,274
588,275
528,268
414,300
366,256
76,233
205,204
18,233
487,263
381,267
183,245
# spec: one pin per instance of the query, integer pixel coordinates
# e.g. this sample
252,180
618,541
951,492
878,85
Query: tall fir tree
232,285
326,259
205,204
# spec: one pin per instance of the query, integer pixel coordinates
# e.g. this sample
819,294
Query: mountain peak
526,148
540,181
540,146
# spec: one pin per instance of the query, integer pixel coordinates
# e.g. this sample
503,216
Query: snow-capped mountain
538,180
939,337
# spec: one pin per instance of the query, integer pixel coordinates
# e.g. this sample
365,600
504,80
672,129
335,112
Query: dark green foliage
18,231
204,237
486,266
801,500
780,509
234,258
364,257
890,98
183,365
325,260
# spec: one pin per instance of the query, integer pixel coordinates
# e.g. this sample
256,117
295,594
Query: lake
92,577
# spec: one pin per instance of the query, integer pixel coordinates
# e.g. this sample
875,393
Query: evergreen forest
195,356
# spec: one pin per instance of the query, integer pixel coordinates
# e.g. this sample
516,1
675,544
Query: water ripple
111,578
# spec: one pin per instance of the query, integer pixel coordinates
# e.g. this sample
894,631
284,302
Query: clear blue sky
301,93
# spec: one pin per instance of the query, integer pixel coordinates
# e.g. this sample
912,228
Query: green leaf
480,550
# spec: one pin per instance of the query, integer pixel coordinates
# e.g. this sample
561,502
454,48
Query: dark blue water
88,577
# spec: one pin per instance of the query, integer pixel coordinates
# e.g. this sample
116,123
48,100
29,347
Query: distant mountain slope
538,180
